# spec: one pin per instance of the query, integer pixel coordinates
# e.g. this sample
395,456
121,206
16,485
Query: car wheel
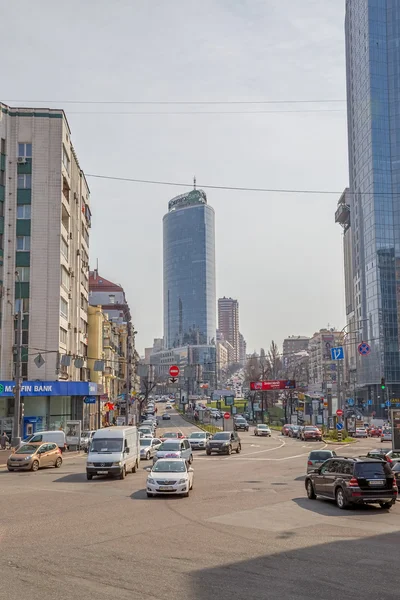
150,495
11,470
190,459
186,495
208,452
148,456
341,499
229,451
123,473
238,449
58,462
386,505
191,487
89,476
35,465
310,490
135,467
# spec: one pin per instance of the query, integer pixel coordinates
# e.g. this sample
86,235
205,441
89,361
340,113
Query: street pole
17,388
339,391
128,375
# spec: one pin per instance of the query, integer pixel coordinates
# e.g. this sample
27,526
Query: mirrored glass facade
373,97
189,272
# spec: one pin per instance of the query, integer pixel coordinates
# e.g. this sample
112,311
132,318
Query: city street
246,531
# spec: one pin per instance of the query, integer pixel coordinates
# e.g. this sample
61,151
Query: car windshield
262,427
85,434
169,466
222,436
106,445
394,454
26,449
170,446
372,470
240,420
320,456
197,435
145,430
310,428
170,434
145,442
396,467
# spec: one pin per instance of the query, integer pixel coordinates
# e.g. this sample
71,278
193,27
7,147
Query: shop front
48,405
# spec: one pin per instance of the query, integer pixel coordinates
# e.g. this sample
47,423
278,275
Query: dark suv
240,424
353,481
224,442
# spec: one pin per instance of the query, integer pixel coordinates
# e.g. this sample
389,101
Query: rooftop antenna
194,182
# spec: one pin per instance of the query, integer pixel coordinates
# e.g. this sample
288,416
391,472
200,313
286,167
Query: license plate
376,482
166,488
102,472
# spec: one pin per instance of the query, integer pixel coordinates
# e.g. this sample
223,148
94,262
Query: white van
57,437
113,451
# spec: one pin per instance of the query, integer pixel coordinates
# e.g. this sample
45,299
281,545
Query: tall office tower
228,323
189,271
373,199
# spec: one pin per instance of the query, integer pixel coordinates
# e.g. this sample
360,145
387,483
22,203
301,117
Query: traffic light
383,386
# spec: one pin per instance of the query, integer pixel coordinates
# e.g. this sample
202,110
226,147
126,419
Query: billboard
279,384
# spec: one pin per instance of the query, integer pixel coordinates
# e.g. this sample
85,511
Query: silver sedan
149,447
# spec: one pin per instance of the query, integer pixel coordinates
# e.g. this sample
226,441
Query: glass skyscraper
189,271
373,198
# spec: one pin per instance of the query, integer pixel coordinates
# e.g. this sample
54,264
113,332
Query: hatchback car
170,476
294,431
175,449
262,430
199,439
166,417
386,435
31,457
148,447
353,481
224,442
317,457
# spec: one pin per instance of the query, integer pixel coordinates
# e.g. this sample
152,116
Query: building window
25,305
63,335
23,243
63,308
112,298
2,177
64,248
84,302
65,278
25,150
65,159
24,273
2,146
24,182
23,211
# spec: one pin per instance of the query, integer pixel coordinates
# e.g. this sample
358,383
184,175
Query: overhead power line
206,112
181,102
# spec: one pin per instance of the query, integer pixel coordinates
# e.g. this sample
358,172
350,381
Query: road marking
267,450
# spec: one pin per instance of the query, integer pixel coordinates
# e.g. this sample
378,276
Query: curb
336,443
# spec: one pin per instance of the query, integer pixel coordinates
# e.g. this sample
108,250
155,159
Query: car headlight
89,464
225,444
151,481
28,458
181,481
116,464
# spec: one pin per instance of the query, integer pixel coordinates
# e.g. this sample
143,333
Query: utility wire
209,112
182,102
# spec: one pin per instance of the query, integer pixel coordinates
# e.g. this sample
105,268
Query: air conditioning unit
70,235
70,295
21,160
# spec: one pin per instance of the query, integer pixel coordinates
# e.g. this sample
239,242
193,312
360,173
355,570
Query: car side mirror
190,470
127,450
147,469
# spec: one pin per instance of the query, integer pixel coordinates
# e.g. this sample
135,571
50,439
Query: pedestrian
4,440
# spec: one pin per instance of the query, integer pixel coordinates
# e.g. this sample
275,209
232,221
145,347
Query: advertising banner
73,433
279,384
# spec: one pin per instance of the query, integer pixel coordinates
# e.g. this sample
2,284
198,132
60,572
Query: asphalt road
246,531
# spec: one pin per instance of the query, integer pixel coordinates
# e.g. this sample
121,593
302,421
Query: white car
361,432
168,405
262,430
386,435
198,439
169,476
146,432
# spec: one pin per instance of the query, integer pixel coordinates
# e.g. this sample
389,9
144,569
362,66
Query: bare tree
252,371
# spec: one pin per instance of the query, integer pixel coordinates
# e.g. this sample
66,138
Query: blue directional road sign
350,401
364,348
369,402
339,426
337,353
387,403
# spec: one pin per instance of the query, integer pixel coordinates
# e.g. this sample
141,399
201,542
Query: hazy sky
279,254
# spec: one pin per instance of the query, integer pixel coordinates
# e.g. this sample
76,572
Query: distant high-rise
242,349
228,323
369,210
189,271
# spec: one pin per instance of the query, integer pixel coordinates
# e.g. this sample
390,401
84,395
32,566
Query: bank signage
50,388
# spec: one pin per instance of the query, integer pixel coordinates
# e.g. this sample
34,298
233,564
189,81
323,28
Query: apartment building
228,323
45,220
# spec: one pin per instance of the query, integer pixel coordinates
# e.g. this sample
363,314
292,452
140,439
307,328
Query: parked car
285,429
34,456
361,432
317,457
311,433
199,439
149,447
175,449
294,431
224,442
396,472
170,476
386,435
58,437
262,430
353,481
240,424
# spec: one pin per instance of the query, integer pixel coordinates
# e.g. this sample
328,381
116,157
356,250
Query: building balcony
342,215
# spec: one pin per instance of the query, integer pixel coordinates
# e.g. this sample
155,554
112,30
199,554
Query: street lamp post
16,439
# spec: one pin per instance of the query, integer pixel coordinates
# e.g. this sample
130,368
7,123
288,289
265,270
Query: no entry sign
174,371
